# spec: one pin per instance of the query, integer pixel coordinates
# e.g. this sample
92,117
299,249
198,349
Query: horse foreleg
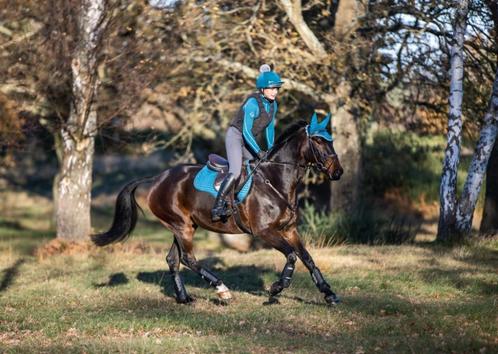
316,275
222,291
173,260
292,237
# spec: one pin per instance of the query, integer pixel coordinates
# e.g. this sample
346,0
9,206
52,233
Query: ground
419,298
57,297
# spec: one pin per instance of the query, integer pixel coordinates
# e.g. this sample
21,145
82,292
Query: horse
270,210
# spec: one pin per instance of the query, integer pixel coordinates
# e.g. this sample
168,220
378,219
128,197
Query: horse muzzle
336,174
334,169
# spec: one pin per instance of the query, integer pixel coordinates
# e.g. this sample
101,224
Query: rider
256,114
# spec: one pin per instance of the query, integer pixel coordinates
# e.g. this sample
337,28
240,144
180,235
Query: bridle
318,164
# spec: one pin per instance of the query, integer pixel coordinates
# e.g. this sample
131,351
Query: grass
418,298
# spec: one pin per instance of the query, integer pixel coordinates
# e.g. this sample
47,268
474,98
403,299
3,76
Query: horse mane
291,130
288,133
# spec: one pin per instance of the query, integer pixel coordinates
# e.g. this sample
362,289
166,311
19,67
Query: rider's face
270,93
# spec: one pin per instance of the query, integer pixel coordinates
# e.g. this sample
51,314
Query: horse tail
125,215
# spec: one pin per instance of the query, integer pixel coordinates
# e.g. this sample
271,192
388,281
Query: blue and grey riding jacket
255,115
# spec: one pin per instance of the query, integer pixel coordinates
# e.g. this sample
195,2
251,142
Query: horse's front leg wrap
320,281
323,286
318,278
285,277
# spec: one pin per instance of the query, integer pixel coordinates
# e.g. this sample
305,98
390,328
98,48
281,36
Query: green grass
417,298
420,297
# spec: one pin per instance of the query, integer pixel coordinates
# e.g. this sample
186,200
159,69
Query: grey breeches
236,151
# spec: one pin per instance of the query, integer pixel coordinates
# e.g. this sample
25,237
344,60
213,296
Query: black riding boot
219,209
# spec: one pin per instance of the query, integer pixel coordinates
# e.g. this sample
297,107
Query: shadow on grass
114,280
484,258
20,239
245,278
455,279
10,274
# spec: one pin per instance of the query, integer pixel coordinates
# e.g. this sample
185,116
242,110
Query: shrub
362,226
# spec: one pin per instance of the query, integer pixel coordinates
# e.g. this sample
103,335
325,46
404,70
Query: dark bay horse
269,211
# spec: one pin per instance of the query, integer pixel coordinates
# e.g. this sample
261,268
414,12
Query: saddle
210,177
220,164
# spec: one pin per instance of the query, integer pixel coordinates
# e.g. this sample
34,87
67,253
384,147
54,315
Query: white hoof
223,292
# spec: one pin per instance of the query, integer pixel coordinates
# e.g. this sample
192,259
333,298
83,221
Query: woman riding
257,114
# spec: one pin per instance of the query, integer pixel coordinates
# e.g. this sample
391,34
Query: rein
284,198
317,163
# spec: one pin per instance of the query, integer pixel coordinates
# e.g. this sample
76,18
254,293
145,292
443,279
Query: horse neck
287,175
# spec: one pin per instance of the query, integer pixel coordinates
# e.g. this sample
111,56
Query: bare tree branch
294,11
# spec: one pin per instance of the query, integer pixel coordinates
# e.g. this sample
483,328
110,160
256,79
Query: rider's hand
261,155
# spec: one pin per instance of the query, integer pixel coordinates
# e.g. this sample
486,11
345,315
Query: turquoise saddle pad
204,182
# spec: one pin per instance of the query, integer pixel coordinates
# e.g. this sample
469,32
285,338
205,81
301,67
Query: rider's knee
235,173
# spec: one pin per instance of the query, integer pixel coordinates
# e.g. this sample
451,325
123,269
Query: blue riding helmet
268,79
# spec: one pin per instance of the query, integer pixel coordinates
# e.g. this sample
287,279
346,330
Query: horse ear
314,123
324,123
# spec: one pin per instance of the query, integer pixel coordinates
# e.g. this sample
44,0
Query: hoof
224,295
332,299
186,300
272,301
223,292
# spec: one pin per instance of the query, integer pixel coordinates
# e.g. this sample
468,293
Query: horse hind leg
173,260
284,279
188,259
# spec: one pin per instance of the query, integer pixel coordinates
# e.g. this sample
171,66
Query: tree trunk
344,193
489,223
448,188
74,185
75,139
472,187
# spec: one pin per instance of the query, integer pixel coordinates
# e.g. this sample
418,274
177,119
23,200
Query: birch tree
448,189
478,165
489,223
75,140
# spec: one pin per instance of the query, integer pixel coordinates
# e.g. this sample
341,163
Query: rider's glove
261,155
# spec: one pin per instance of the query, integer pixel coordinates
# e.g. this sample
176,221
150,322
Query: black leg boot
219,209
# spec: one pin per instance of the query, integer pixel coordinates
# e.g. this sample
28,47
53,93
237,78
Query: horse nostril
338,173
